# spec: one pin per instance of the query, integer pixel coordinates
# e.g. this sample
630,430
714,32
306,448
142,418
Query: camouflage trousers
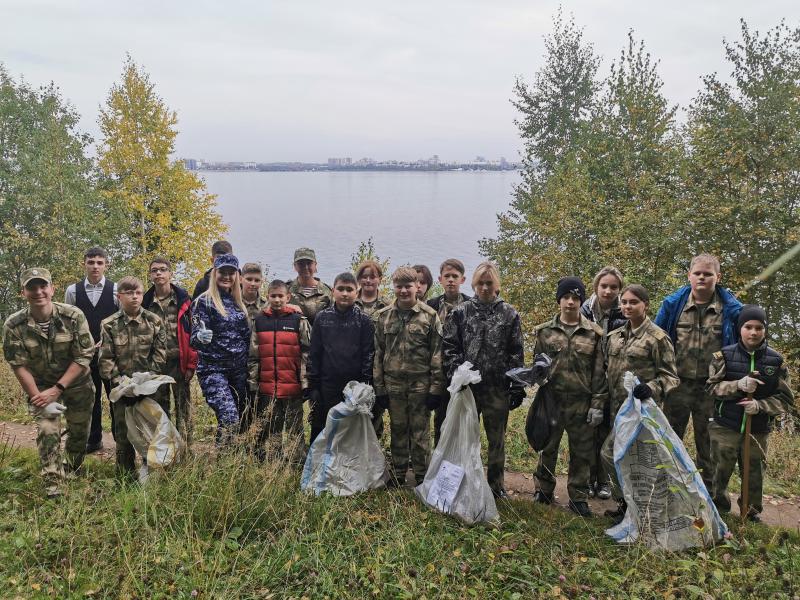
690,399
225,391
409,422
607,458
572,419
597,469
492,404
726,452
181,400
79,400
263,424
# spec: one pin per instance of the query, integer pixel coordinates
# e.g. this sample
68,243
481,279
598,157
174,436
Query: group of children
258,360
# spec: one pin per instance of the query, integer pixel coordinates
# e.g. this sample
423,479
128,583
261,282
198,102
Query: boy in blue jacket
700,318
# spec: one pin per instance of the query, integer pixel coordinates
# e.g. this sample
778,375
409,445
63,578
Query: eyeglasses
159,270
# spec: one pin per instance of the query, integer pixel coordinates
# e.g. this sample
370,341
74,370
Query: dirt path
778,511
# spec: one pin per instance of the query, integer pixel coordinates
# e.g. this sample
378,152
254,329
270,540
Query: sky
312,79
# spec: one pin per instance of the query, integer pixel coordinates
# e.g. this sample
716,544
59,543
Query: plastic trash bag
346,457
543,412
149,429
152,433
455,483
669,506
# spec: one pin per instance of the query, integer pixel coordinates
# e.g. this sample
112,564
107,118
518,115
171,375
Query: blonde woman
221,335
486,331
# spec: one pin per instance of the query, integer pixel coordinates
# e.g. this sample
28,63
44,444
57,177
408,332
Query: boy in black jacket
342,349
747,380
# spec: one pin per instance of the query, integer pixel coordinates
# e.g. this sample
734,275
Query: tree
50,210
610,194
744,174
168,209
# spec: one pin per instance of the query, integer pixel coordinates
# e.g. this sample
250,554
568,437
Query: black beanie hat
751,312
570,285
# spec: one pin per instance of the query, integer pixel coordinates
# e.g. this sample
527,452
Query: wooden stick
744,498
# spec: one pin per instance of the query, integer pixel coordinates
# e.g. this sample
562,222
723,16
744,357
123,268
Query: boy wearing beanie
747,380
578,384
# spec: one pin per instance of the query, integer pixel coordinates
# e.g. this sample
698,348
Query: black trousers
329,396
96,430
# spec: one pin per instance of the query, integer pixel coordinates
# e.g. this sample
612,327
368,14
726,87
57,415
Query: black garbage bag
543,413
541,419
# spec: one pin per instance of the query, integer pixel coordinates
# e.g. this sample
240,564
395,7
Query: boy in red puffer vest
281,339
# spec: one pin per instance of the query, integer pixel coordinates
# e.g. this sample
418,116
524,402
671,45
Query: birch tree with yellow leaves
170,213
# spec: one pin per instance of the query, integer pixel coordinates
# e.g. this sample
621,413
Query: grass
231,528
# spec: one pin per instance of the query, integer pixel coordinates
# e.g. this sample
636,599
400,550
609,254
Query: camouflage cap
304,254
29,275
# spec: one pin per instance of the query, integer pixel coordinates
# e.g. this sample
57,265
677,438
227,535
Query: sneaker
96,447
604,491
542,498
591,490
500,494
580,508
754,517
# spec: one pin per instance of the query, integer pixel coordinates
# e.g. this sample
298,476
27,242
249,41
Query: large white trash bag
455,483
149,428
669,506
346,457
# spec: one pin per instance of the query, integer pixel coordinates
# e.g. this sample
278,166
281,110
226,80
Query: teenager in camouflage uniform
252,278
407,373
221,336
747,380
369,275
451,276
132,340
645,350
602,307
49,347
173,305
306,291
578,383
486,332
700,318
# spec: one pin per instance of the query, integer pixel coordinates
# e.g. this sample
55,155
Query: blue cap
226,260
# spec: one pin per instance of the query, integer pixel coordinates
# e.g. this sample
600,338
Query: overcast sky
306,80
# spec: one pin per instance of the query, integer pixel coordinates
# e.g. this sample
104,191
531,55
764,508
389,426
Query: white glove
748,384
750,406
594,417
53,410
204,336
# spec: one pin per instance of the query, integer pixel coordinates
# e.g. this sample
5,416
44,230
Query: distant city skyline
307,81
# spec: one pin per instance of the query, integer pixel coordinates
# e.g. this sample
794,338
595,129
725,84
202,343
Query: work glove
642,392
594,417
515,397
750,406
204,336
748,384
541,367
383,401
53,410
433,401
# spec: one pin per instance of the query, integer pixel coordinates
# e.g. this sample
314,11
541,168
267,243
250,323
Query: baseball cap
29,275
304,254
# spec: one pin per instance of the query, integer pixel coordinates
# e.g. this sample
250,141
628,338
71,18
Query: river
413,217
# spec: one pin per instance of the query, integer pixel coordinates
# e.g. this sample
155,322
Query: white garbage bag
669,506
455,483
149,429
346,457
